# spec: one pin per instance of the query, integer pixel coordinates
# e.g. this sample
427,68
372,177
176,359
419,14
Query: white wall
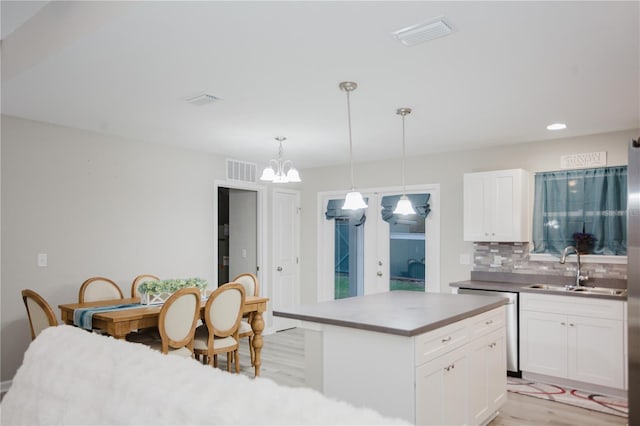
446,169
97,206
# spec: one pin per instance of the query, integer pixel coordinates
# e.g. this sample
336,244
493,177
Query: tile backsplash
514,258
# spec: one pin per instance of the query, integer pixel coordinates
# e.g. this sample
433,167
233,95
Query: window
581,206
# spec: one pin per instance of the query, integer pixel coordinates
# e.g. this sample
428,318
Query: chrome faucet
579,277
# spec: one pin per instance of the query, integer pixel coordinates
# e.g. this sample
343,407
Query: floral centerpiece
158,291
584,242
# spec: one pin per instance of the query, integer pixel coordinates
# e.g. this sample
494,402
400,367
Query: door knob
279,269
379,273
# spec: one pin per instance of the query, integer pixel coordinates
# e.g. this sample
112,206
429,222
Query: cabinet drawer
571,305
487,322
435,343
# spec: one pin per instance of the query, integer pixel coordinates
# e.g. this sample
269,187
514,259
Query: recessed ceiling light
416,34
556,126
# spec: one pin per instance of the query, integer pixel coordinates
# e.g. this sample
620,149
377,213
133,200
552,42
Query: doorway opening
237,233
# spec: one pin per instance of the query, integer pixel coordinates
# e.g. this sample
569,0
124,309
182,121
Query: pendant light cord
403,155
350,139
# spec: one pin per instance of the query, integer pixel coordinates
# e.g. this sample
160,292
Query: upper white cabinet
496,206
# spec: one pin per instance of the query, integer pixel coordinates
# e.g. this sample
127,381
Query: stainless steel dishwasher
513,358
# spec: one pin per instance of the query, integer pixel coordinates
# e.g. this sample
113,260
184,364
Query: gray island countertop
404,313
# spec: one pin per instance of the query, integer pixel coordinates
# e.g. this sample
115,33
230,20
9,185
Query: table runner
83,317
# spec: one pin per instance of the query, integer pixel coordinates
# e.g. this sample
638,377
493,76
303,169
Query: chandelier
280,171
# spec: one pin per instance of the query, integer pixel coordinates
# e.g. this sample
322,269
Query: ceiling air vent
203,99
242,171
416,34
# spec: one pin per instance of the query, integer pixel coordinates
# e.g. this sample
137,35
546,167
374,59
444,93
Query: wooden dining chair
39,312
222,317
251,288
177,322
139,280
99,288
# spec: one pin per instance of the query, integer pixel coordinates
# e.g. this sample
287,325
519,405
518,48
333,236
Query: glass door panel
349,259
407,254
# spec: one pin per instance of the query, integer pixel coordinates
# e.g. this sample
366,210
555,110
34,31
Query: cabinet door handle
446,339
571,324
562,323
279,269
492,345
489,322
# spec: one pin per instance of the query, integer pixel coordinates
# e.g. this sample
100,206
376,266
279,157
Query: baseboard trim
4,386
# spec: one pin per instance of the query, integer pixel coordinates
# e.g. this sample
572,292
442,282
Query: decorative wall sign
586,160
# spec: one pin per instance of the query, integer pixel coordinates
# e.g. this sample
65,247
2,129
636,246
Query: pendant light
275,172
353,200
404,206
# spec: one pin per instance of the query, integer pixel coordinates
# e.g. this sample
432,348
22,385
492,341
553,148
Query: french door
377,255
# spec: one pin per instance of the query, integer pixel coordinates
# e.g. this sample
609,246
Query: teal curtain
588,201
420,203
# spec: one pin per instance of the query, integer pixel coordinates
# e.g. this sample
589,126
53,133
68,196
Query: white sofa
70,376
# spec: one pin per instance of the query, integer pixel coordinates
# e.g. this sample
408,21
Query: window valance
420,203
335,211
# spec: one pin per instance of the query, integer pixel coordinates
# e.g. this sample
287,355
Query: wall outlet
42,260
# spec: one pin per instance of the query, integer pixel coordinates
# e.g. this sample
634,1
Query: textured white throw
72,377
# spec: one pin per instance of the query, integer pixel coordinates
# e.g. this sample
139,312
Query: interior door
285,261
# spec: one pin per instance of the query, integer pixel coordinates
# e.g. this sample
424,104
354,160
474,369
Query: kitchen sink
548,287
600,290
582,290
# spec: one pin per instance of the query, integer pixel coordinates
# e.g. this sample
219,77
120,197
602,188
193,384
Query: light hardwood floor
283,362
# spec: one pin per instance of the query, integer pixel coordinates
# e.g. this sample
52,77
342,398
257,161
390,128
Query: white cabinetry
496,206
574,338
487,359
440,390
462,365
434,378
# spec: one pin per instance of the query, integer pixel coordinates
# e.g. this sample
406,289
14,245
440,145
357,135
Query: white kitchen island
428,358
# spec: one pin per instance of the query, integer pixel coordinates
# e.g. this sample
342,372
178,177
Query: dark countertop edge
388,330
561,280
522,288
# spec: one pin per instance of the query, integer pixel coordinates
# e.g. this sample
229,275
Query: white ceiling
509,69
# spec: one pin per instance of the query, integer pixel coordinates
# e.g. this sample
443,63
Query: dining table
120,322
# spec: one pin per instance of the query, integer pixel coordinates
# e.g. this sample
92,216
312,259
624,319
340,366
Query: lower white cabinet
441,397
463,381
487,390
575,338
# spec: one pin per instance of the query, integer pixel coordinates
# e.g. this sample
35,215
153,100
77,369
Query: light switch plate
42,260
